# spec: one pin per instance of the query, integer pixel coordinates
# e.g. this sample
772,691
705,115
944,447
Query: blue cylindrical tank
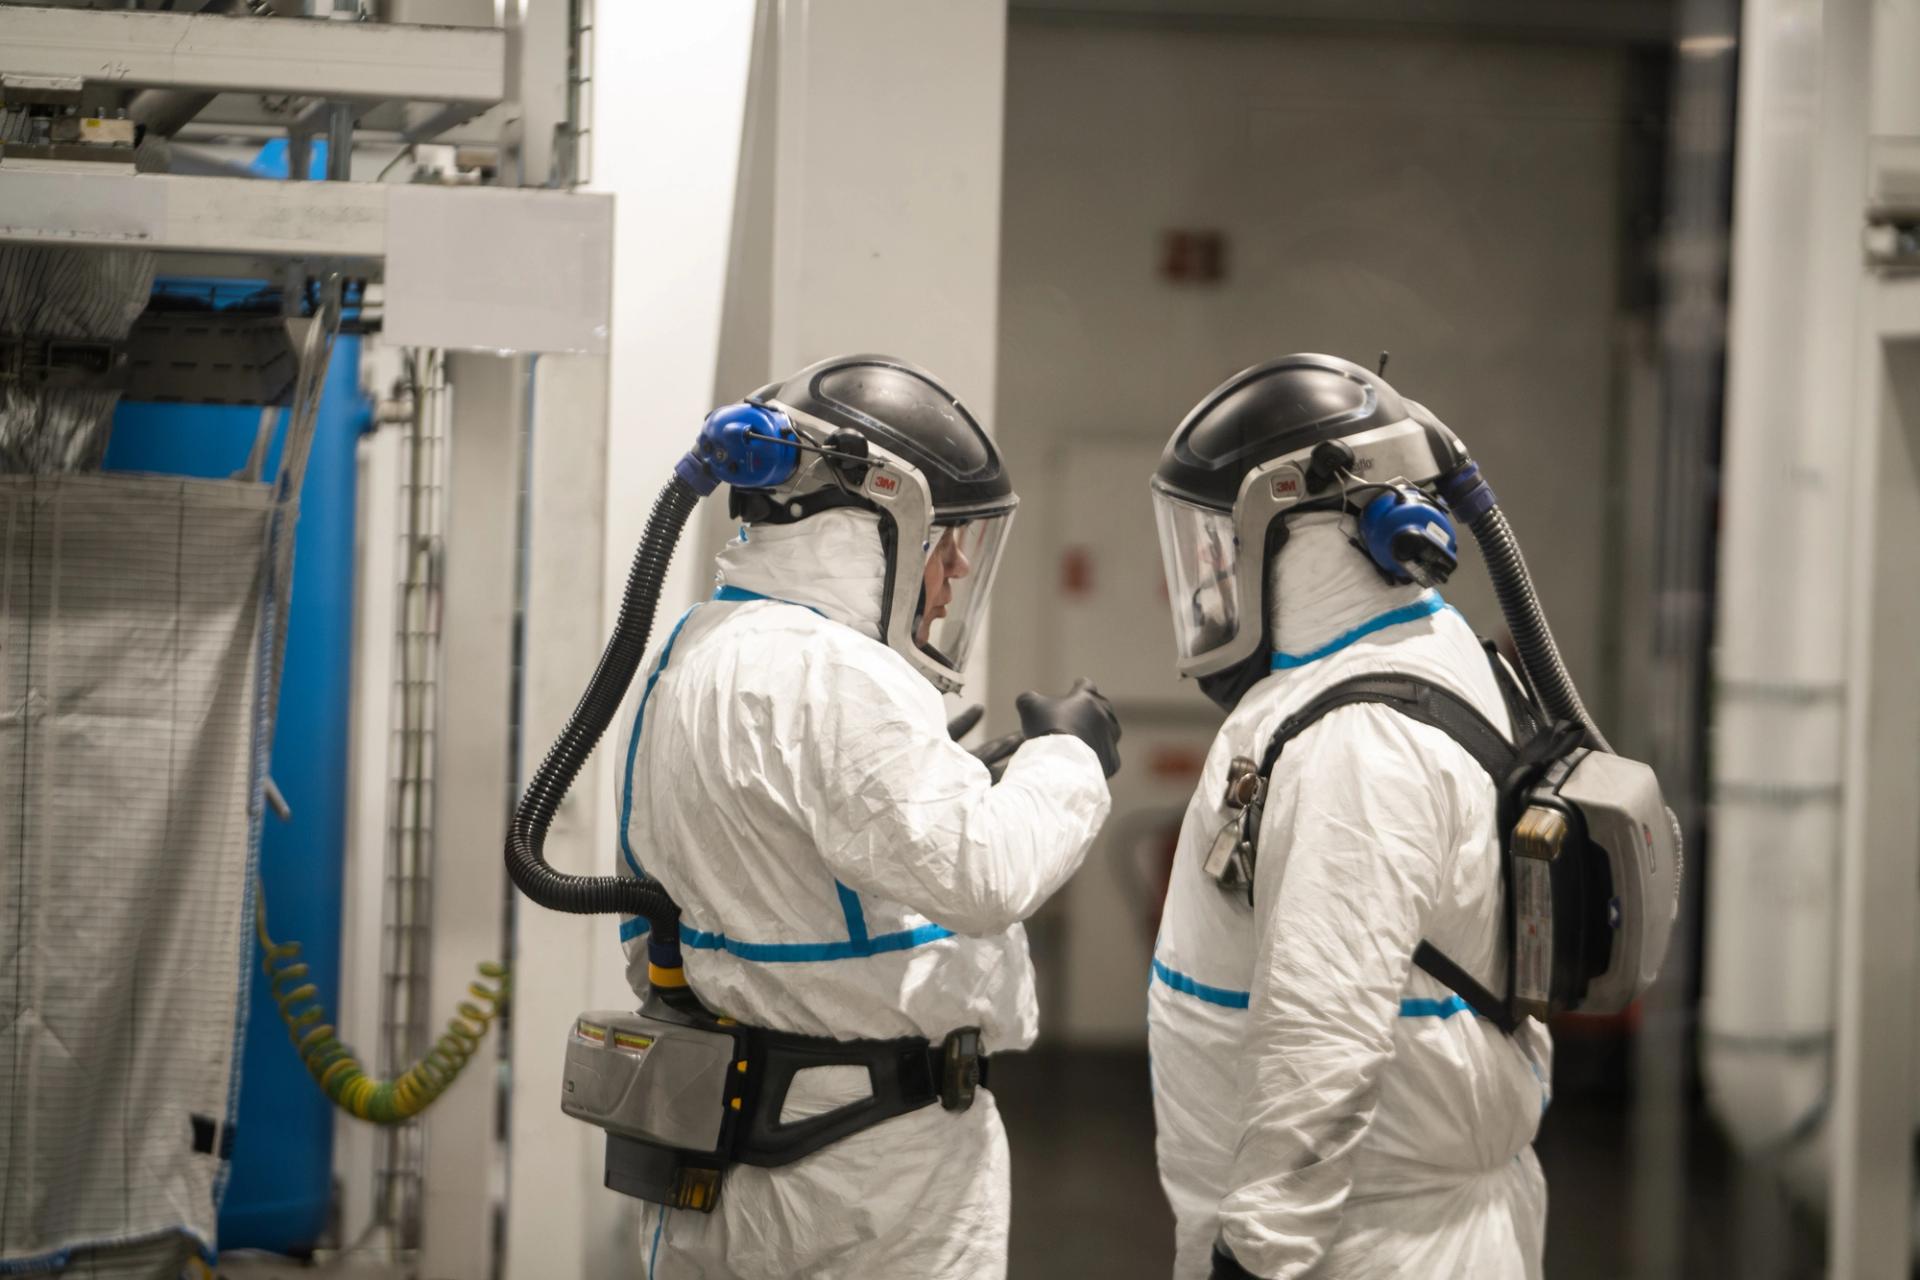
280,1188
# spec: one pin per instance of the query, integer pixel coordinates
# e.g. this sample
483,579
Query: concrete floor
1087,1200
1086,1194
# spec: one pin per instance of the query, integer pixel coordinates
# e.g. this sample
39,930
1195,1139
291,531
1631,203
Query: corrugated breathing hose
527,834
1473,501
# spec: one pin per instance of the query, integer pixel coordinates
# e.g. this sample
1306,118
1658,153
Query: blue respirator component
748,446
1409,536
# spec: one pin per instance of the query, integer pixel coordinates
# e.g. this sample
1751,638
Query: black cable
526,837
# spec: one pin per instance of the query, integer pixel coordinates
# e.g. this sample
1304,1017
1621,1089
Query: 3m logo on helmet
1288,486
884,484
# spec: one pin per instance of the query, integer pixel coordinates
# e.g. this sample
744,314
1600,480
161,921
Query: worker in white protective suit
844,868
1324,1107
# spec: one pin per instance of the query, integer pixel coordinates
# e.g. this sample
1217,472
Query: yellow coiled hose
339,1073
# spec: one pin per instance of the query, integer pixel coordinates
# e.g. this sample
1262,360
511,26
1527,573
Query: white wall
1452,201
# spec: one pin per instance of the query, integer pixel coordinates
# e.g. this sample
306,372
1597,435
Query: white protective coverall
1320,1102
844,869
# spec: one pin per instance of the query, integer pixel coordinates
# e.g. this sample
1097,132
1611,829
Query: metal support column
473,793
561,1221
1871,1178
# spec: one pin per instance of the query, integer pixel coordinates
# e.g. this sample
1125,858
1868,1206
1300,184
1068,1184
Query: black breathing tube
527,835
1473,501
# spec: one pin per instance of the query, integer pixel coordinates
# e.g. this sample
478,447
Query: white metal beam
334,220
473,775
561,1222
537,39
367,61
438,248
529,272
356,1144
1871,1179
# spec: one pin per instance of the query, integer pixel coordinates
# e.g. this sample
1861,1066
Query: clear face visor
1201,556
956,577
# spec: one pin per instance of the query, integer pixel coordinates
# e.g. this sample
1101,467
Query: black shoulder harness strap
1430,704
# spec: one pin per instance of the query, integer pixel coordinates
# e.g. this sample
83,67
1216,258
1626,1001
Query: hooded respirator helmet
1592,856
1299,434
881,435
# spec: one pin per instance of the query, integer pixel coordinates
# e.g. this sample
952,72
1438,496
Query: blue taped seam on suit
804,952
1425,607
1434,1008
795,952
856,917
728,595
849,899
633,748
1227,998
1199,990
857,943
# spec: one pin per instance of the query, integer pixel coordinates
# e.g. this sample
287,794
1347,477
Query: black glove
1084,712
962,725
994,753
1225,1267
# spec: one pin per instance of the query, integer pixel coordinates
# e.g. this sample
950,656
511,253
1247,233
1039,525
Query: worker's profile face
945,562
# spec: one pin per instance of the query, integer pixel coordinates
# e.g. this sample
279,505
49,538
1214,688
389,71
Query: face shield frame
952,634
898,491
1268,492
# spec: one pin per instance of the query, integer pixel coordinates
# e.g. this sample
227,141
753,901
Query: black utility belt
904,1075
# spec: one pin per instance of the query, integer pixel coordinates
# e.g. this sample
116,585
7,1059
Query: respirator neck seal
759,506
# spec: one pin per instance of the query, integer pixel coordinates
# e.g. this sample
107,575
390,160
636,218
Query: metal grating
412,748
575,159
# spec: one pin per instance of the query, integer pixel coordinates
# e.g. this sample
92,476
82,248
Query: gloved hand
962,725
1084,712
995,753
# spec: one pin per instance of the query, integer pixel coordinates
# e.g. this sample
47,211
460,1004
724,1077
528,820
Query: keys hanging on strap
1230,859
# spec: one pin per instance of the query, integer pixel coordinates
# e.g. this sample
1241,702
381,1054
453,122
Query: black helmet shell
904,409
1268,411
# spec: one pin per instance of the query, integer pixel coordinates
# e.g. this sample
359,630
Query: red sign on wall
1193,257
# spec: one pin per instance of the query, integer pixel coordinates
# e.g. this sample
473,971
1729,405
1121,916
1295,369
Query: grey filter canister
63,293
646,1078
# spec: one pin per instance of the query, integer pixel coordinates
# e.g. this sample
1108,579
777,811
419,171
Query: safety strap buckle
962,1068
